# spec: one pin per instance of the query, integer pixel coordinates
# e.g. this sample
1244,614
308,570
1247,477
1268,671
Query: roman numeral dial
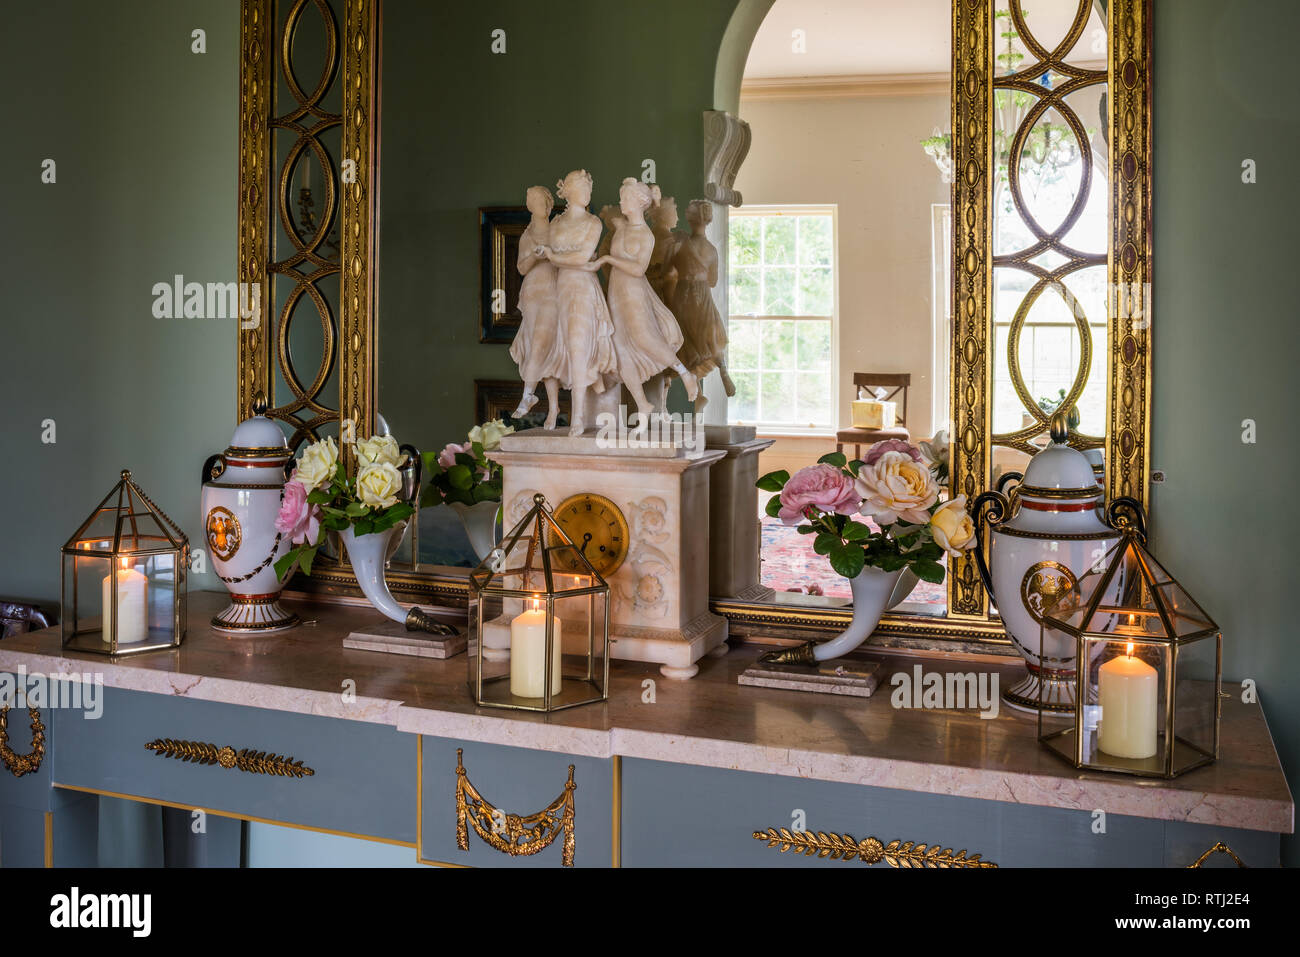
598,528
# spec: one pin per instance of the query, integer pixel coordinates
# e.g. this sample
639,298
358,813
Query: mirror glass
838,261
1050,200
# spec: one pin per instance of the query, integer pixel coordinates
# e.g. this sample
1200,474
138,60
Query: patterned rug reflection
790,564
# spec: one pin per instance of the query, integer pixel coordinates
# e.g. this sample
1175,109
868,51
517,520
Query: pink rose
891,445
297,519
447,457
818,486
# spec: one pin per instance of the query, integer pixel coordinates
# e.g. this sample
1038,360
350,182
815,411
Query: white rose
490,434
379,448
897,487
952,527
318,463
379,484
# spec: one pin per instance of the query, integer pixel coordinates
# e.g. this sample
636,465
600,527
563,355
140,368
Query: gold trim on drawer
246,759
513,834
843,847
1218,848
20,764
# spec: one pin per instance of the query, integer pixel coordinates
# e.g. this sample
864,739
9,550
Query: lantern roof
1128,594
537,558
125,522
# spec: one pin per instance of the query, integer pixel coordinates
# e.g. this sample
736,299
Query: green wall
144,135
1225,336
142,132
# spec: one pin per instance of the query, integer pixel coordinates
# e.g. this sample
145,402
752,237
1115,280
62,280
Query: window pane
778,299
778,397
815,246
743,298
742,347
778,346
814,346
779,240
743,406
814,403
743,241
816,293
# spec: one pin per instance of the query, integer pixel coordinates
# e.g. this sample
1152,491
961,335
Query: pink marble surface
709,720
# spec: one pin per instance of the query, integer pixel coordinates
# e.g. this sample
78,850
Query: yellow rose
896,486
379,448
952,527
379,484
318,463
490,434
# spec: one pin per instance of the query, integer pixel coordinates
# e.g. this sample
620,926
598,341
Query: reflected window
782,293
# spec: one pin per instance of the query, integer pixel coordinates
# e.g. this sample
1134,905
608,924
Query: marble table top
709,720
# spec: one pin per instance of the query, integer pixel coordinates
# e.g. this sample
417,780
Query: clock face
597,528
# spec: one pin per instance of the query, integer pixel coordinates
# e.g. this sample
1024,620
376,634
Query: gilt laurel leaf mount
514,834
20,764
870,850
246,759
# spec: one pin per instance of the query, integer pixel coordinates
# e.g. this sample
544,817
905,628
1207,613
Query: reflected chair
893,383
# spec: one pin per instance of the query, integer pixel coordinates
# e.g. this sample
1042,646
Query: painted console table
294,729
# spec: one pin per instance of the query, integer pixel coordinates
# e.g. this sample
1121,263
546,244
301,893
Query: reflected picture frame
499,229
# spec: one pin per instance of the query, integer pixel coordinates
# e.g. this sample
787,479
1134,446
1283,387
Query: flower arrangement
463,473
894,486
319,496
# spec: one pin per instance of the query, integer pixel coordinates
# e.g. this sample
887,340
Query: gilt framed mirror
956,193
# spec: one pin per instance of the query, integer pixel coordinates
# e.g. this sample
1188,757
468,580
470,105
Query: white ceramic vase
906,584
480,521
368,554
872,589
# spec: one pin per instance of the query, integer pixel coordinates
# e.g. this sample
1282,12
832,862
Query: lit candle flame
1129,650
537,604
125,561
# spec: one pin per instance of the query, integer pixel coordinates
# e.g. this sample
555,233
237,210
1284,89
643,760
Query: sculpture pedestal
735,531
659,596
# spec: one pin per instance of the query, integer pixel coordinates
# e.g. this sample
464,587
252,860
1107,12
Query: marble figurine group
655,316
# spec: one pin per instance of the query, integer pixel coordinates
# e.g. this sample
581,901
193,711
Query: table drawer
679,815
363,778
513,781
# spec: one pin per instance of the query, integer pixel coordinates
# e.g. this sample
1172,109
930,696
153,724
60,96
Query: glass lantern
539,621
1149,669
124,577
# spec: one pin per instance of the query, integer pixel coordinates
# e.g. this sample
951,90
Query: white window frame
941,299
749,211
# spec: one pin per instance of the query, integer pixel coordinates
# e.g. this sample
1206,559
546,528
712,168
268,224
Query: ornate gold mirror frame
349,338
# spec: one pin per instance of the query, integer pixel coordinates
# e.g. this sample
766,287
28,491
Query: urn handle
1126,513
992,507
213,467
411,469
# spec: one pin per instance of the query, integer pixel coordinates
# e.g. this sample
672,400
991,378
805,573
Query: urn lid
1060,472
258,439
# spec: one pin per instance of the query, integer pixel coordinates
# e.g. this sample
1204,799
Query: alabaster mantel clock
641,518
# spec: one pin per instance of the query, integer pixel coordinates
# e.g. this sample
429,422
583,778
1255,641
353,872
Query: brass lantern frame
1129,552
538,536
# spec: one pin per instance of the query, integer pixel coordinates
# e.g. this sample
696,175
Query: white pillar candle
131,608
1127,694
528,654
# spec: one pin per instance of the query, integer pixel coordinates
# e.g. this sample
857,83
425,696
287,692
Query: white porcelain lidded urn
242,489
1042,538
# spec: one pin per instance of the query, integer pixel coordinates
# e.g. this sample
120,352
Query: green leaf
305,557
807,529
825,543
773,505
430,497
334,523
855,531
339,474
855,466
773,481
460,476
429,460
847,560
282,564
836,459
356,509
399,511
928,571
